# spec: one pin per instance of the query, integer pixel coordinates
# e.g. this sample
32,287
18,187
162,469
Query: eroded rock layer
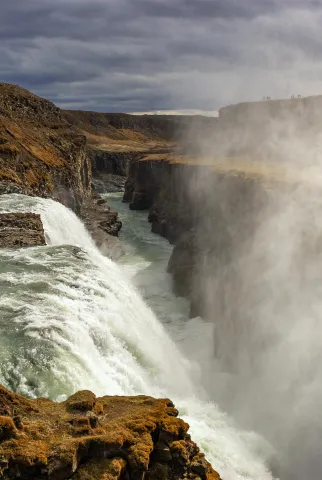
40,153
21,230
96,439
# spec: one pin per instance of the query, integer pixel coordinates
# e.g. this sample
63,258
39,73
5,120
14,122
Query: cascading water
70,320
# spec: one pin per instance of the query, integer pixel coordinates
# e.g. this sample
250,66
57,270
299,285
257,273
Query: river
72,319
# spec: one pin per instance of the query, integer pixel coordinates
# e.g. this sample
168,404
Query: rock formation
209,204
21,230
103,224
40,154
96,439
114,140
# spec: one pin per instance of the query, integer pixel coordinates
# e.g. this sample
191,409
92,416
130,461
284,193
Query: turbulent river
72,319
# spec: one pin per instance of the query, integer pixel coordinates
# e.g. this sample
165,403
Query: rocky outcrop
108,183
93,438
103,224
42,154
116,163
21,230
110,169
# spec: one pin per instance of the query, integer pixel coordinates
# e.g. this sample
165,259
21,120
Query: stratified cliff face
105,438
210,207
40,154
21,230
205,214
114,140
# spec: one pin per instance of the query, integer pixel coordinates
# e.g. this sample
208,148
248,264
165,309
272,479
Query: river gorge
190,299
83,322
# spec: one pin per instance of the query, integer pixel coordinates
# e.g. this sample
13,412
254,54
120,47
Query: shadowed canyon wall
244,215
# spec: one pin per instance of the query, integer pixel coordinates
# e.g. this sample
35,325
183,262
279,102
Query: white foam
83,325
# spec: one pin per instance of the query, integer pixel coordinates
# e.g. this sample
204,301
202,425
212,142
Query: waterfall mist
72,320
259,275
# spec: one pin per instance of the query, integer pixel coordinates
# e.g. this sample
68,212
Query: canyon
48,153
238,198
209,195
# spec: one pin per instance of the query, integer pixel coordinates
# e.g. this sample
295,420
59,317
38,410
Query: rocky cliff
211,206
92,438
21,230
116,139
40,154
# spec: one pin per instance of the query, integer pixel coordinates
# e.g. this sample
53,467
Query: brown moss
58,441
103,469
84,400
7,148
7,428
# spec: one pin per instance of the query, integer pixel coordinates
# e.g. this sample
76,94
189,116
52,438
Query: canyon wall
232,218
115,139
204,213
40,154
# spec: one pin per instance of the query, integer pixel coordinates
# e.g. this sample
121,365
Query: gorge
217,308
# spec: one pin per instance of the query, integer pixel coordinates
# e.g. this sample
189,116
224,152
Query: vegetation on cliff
40,154
21,230
93,438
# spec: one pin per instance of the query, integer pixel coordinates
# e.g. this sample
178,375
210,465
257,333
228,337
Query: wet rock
21,230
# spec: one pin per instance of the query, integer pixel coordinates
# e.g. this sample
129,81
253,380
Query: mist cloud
142,55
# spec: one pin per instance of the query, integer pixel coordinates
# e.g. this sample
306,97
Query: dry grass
247,168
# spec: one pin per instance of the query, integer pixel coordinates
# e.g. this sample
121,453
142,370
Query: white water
70,319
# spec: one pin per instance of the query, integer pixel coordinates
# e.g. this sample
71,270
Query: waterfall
71,320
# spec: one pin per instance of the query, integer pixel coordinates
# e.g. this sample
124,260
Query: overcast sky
145,55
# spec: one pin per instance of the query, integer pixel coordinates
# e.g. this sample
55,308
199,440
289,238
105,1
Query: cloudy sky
146,55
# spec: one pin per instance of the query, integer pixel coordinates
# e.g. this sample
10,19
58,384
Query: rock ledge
21,230
93,438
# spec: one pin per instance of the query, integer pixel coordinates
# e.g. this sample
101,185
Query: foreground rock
103,224
21,230
96,439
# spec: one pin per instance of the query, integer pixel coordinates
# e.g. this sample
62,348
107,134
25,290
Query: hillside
40,153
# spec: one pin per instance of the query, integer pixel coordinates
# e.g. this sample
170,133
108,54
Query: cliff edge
40,153
89,438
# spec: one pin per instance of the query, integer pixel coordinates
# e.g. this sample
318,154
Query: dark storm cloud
159,54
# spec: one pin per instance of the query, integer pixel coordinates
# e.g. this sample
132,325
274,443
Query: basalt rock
103,224
21,230
89,438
